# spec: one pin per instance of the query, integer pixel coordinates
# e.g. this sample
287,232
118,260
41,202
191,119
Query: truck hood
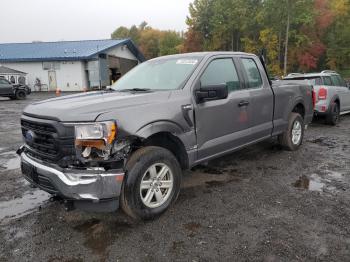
88,106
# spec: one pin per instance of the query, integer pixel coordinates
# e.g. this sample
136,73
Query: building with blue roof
71,65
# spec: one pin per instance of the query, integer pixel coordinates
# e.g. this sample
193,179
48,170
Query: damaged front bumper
92,190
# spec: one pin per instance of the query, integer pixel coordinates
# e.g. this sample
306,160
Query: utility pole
287,40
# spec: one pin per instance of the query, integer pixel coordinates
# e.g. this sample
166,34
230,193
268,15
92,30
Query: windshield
158,74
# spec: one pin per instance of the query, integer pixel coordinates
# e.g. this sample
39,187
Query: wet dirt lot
258,204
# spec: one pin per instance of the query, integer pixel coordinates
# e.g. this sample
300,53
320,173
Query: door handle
243,103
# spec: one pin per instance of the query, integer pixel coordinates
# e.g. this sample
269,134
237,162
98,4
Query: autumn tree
152,42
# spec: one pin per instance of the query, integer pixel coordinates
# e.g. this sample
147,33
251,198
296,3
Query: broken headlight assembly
94,141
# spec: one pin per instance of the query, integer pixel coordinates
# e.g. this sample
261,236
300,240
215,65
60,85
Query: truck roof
205,54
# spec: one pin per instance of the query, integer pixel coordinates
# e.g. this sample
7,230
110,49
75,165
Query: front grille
43,141
38,126
47,140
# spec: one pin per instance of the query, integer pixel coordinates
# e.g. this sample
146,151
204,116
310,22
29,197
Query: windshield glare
158,74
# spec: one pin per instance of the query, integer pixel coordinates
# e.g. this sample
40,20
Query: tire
333,115
140,167
21,95
292,138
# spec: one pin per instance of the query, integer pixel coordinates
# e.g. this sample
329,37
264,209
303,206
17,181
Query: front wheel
292,138
153,179
20,95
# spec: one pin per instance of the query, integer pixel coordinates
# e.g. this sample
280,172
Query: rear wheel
20,95
292,138
153,179
333,115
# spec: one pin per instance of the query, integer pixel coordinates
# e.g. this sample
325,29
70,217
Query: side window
318,81
341,81
221,71
327,81
3,82
335,80
254,77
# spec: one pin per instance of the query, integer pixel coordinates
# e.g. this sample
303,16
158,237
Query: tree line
297,35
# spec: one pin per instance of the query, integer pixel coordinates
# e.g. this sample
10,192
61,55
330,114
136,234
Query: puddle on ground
19,207
9,161
317,183
313,183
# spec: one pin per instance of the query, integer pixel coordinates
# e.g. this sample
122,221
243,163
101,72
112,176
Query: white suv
332,93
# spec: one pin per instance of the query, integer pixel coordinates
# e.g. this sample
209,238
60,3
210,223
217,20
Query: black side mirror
211,92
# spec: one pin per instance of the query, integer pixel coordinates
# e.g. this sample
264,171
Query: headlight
95,138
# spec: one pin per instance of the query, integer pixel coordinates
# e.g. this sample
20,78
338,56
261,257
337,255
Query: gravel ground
258,204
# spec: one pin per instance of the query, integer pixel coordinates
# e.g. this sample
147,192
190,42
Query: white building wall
70,76
123,52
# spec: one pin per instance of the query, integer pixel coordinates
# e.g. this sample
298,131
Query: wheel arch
171,142
299,107
336,99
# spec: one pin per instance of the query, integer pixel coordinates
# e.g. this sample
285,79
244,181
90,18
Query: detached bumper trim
76,184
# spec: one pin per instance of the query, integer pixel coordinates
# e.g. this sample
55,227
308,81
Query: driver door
5,87
222,125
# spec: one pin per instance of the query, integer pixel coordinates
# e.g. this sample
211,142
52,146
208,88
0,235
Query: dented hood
88,106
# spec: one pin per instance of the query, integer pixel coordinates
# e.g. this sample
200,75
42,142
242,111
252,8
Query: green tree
337,38
121,32
170,43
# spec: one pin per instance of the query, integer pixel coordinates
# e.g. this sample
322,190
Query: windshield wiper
135,90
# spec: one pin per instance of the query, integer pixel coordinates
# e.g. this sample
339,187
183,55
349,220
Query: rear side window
327,81
252,71
221,71
335,80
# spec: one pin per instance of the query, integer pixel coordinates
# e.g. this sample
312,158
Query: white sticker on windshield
186,62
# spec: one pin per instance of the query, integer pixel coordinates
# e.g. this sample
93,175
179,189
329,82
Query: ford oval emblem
29,137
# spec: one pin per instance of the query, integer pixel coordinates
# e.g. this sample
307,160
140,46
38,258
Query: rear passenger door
261,95
222,125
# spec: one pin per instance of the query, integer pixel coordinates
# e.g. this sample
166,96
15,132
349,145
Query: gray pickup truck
128,145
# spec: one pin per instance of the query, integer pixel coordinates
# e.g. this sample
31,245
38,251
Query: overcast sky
54,20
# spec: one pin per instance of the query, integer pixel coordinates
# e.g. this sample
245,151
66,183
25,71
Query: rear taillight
322,93
313,98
